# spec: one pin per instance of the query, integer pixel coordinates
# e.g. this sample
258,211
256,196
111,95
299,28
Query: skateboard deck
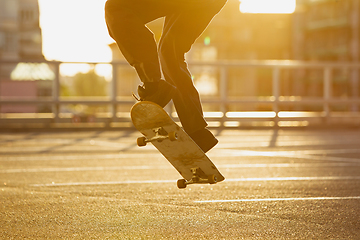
174,144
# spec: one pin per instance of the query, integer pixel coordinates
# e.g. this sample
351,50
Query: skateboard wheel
181,183
212,179
141,141
172,136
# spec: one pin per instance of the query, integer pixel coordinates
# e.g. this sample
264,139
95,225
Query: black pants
185,20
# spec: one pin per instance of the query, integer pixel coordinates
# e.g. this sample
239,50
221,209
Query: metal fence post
354,88
276,93
113,93
355,52
56,92
327,92
223,93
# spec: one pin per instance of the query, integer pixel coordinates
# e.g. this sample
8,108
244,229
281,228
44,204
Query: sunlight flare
268,6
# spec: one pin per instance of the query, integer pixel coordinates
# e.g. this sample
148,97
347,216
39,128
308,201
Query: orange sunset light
267,6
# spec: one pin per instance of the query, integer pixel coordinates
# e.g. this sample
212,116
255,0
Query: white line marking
292,179
216,153
172,181
328,158
224,166
100,183
328,151
288,165
279,199
81,169
80,157
284,154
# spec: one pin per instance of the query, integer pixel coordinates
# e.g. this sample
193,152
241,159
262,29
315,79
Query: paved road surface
286,184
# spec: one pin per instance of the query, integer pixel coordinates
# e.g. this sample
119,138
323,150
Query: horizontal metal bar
40,101
227,63
213,101
224,100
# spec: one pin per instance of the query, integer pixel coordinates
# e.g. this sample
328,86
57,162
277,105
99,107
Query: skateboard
174,144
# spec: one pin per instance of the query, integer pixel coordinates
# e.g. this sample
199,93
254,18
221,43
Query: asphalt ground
280,184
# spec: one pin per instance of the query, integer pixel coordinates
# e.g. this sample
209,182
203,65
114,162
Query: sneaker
160,95
204,139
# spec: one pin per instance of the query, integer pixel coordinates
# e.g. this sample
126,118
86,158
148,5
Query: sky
75,30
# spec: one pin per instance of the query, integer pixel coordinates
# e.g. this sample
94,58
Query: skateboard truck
160,135
198,177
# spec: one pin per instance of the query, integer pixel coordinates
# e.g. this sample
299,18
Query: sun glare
268,6
72,33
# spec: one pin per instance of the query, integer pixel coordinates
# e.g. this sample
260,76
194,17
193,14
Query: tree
89,84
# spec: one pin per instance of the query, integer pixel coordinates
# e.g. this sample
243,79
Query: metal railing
223,117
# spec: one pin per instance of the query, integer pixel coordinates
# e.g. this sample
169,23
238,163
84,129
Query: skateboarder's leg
126,21
181,29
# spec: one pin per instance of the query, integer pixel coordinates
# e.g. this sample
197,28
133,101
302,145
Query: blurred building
21,41
327,30
20,33
245,36
234,35
30,42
